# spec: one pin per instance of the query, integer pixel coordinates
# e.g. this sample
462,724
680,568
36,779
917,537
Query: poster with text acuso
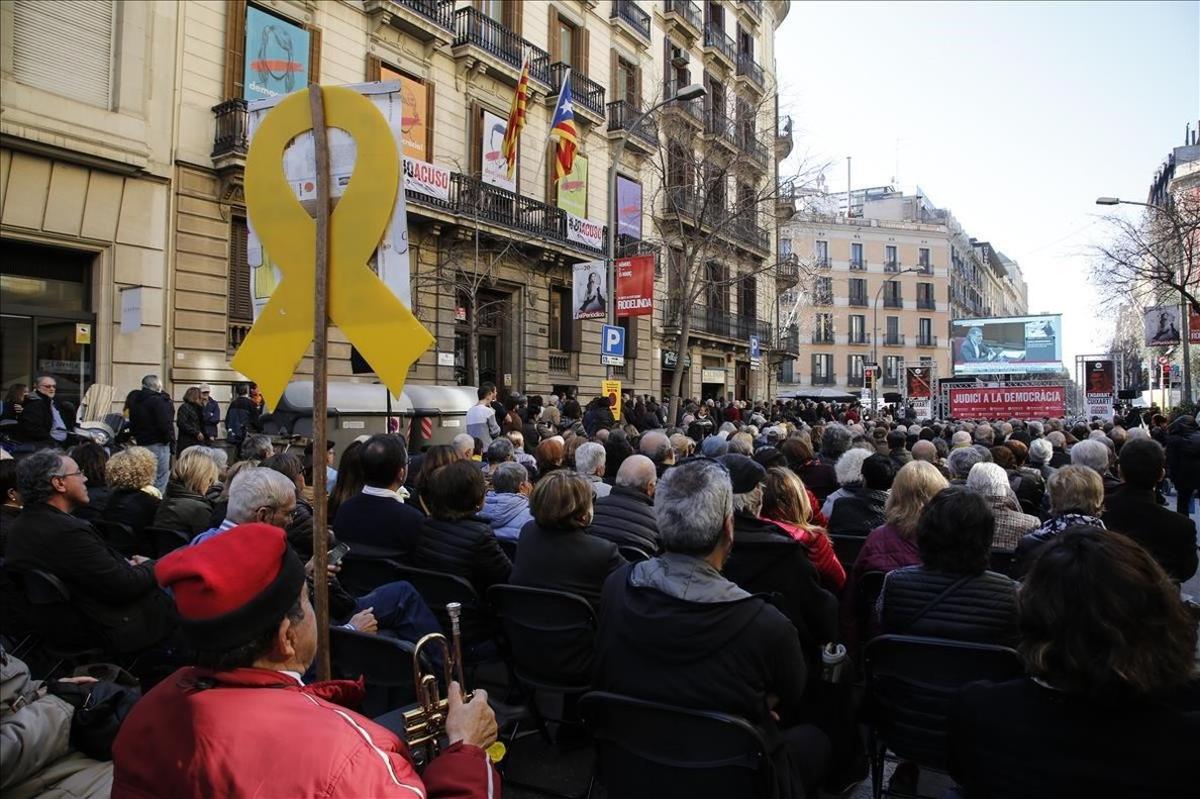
390,260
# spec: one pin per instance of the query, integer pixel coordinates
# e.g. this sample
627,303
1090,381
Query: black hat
744,472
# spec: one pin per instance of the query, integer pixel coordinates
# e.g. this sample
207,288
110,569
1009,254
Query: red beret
233,586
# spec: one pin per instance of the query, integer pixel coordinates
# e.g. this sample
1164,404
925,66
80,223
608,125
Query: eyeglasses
48,386
65,475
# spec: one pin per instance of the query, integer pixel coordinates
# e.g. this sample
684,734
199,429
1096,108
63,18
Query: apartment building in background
123,180
885,272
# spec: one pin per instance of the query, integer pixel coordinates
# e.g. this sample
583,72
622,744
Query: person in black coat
380,517
189,421
626,516
134,500
555,552
861,510
186,507
127,610
1168,536
952,594
44,420
151,418
1183,460
1111,691
455,539
673,629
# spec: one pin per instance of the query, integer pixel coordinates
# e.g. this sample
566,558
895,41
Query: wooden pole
320,379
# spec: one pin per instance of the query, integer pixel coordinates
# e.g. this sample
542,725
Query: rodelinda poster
635,285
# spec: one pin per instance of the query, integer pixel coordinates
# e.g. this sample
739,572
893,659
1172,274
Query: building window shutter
583,50
235,48
630,323
314,53
240,307
65,48
374,68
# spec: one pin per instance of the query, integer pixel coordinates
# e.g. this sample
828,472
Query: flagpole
550,127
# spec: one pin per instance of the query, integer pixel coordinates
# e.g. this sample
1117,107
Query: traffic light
869,377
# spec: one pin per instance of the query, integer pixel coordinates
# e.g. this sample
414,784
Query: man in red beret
242,722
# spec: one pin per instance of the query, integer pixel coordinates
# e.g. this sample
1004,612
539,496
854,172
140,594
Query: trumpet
425,724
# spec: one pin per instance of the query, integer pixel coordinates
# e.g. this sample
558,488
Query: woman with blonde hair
786,504
134,499
893,544
185,507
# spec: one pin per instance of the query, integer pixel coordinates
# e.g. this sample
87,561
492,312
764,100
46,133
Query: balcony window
891,262
822,253
858,329
856,256
858,291
923,260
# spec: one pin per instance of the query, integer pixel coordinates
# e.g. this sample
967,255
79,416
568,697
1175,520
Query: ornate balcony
717,322
859,340
783,138
788,343
685,15
787,271
586,93
424,20
927,341
631,16
692,110
785,201
717,42
750,70
926,304
719,128
478,36
230,145
621,116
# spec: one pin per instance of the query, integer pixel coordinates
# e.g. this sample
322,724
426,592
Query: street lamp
875,338
1184,316
692,91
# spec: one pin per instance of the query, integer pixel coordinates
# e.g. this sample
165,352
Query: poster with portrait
1100,377
1162,326
276,60
493,167
917,380
414,122
589,295
573,188
629,208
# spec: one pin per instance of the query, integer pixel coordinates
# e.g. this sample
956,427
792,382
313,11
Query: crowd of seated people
717,580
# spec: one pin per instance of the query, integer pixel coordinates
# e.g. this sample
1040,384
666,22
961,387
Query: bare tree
1152,259
715,191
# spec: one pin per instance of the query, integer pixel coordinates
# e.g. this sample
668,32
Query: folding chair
650,750
847,547
911,682
59,624
165,541
633,554
385,664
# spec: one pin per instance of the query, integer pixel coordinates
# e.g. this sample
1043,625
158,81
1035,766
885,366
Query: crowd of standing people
726,553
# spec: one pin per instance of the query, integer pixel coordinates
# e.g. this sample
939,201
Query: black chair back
911,682
53,616
509,546
385,664
165,541
633,554
362,574
650,750
551,636
119,536
847,547
438,589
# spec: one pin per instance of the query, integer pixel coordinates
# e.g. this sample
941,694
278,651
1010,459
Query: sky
1014,116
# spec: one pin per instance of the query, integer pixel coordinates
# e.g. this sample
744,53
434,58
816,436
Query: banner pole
320,382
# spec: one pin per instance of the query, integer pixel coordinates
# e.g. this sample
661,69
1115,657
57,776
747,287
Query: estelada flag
516,120
635,285
563,128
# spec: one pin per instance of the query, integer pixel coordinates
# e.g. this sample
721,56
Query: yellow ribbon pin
386,333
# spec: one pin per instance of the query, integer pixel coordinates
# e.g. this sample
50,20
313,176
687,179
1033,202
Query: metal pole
320,379
848,212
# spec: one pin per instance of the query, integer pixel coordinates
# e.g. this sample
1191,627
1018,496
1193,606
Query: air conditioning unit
680,58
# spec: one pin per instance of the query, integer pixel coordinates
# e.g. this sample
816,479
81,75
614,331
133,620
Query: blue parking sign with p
755,347
612,341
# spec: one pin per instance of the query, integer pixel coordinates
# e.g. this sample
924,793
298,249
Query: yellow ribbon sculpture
386,333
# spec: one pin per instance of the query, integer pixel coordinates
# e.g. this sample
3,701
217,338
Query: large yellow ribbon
386,333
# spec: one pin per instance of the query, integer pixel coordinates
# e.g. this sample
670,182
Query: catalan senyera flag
516,120
563,128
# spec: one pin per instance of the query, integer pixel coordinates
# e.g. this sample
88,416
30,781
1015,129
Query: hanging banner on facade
276,56
589,296
1099,377
493,168
635,285
390,261
1162,326
1194,327
422,177
1026,402
414,125
629,208
585,231
917,382
573,188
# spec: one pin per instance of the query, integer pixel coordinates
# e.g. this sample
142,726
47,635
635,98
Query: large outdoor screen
1007,345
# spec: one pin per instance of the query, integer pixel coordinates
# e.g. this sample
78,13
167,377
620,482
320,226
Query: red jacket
253,732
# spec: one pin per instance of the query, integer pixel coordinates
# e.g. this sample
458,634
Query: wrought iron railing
621,116
926,304
687,10
439,12
716,38
473,27
749,68
927,341
631,13
584,91
893,302
233,130
693,109
893,339
823,380
822,337
718,322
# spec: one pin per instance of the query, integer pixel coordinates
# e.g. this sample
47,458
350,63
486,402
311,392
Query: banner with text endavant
1024,402
635,285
